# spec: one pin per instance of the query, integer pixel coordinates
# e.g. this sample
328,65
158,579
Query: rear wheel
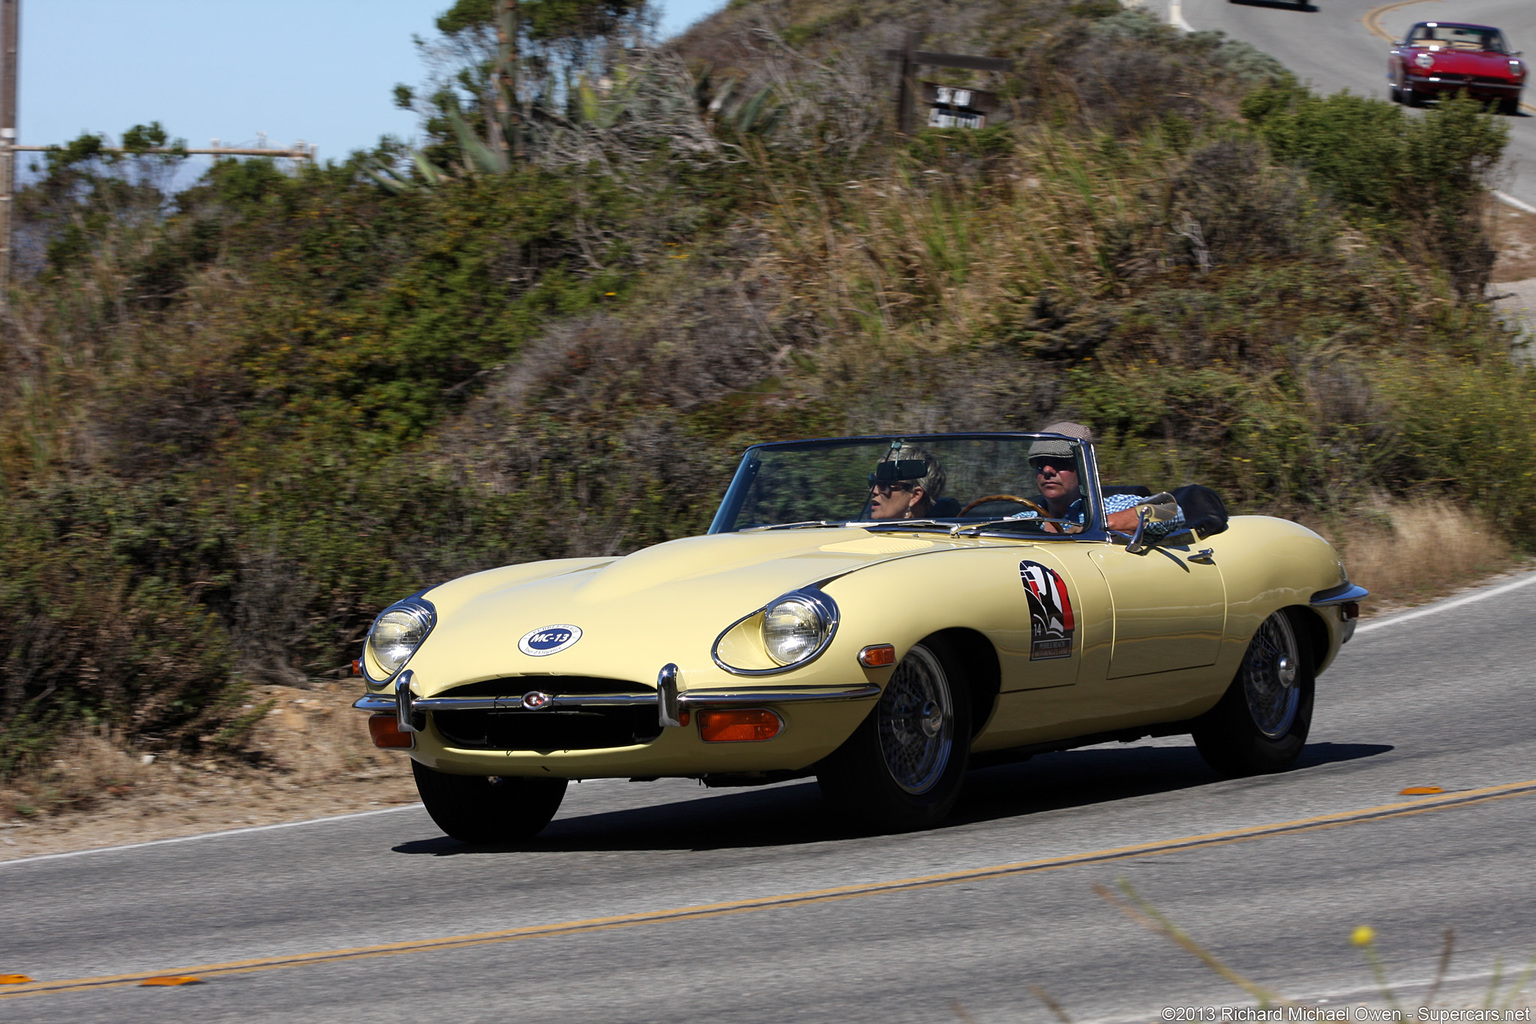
1261,723
478,809
903,767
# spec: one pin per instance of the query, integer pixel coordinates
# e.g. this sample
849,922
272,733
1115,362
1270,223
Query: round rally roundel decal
549,639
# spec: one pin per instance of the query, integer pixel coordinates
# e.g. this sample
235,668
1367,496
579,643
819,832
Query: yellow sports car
879,612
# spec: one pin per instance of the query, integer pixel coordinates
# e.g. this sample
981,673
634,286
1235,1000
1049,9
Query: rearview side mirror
1159,508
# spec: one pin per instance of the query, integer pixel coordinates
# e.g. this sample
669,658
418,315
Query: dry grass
1514,236
1409,553
309,756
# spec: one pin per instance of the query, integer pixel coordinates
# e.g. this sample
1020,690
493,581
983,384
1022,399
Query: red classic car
1438,57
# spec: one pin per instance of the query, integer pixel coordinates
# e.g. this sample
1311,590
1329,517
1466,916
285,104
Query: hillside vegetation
239,419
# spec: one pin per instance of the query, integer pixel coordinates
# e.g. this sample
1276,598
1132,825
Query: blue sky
321,71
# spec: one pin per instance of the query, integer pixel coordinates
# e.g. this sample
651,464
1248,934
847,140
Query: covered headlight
794,628
398,631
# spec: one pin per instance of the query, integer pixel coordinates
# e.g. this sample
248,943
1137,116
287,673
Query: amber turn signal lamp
739,725
385,730
14,979
877,656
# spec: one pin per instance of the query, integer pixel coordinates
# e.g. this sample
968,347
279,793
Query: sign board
949,107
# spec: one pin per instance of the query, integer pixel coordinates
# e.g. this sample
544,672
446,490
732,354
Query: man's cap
1056,448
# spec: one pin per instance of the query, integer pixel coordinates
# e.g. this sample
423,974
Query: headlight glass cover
398,631
794,628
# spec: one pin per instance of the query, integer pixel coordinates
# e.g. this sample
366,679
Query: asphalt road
1330,43
663,901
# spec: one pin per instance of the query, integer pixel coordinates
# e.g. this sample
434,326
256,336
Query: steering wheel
1039,511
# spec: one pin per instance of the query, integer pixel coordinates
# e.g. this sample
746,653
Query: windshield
910,479
1460,37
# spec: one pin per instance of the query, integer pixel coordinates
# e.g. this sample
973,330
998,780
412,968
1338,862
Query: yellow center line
206,971
1372,17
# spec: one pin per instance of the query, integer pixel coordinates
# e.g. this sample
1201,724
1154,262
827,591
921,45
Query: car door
1168,609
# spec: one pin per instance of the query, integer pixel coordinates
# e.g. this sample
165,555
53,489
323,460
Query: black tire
1395,93
481,810
1261,723
1510,107
1411,98
902,769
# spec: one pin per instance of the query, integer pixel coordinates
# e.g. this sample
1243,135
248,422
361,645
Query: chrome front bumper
668,700
1456,83
1346,597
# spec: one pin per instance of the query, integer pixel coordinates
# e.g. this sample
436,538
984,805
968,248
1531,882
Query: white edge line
207,835
1509,200
1445,606
1176,19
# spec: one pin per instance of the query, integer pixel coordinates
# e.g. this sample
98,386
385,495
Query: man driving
1054,461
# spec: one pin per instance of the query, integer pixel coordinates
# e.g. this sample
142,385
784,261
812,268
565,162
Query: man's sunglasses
1058,464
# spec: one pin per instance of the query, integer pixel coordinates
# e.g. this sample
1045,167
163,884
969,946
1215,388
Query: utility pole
10,18
298,151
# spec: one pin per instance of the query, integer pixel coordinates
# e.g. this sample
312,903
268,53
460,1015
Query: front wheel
903,767
477,809
1261,723
1510,106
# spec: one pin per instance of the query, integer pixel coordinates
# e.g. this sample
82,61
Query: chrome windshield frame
751,463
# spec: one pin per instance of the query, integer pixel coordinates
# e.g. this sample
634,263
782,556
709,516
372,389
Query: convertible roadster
1438,57
822,628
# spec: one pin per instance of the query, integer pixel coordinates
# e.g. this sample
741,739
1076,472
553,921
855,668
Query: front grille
555,729
516,686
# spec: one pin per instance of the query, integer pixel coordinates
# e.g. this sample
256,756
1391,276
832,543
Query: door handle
1205,556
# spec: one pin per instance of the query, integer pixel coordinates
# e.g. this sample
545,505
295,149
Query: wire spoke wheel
916,722
1270,673
904,766
1261,723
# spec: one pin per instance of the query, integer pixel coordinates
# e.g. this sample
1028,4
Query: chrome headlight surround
395,637
793,629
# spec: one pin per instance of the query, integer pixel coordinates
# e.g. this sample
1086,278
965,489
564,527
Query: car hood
1465,62
663,604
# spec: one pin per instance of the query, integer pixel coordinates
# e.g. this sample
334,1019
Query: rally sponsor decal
1050,612
548,640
